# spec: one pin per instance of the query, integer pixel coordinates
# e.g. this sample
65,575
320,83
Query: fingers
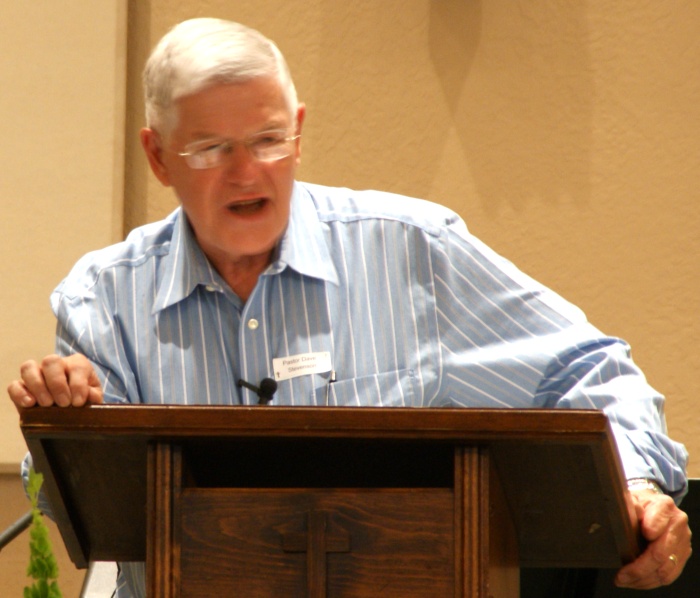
666,528
651,571
31,388
83,382
19,394
55,388
62,381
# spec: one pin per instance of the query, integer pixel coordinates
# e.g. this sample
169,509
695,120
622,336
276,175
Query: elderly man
388,299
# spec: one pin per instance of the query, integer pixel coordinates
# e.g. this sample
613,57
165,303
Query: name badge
301,365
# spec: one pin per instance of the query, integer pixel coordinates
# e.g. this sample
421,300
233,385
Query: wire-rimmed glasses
266,146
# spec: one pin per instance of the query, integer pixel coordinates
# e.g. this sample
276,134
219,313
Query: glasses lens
270,145
265,147
206,155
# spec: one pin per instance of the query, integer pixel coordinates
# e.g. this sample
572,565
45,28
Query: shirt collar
302,248
184,267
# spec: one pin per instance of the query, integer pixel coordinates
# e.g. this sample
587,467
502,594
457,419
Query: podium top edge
200,420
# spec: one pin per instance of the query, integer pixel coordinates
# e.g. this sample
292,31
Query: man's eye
268,139
214,148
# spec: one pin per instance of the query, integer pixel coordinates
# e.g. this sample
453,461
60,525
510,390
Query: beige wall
61,152
62,67
566,133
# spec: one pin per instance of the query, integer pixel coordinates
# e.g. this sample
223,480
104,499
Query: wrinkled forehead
246,107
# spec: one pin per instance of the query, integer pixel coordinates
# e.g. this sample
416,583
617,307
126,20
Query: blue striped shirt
410,308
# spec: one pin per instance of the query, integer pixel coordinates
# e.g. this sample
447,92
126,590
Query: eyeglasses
267,146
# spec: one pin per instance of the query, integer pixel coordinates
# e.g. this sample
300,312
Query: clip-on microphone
267,388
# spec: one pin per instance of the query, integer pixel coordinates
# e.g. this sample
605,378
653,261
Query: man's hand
63,381
666,529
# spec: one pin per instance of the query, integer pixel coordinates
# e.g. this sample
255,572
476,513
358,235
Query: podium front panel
370,542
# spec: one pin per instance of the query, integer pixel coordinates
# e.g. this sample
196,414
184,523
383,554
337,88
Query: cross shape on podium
316,542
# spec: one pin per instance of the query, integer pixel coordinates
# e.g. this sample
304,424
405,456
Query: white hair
201,52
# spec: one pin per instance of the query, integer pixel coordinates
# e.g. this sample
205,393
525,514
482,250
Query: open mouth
249,206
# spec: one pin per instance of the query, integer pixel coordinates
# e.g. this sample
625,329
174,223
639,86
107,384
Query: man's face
239,209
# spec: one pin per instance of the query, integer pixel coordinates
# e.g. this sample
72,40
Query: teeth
248,202
248,205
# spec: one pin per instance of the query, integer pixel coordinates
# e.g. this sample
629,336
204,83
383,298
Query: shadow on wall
451,99
517,80
377,112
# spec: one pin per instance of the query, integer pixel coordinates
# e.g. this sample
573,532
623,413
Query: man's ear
301,114
153,146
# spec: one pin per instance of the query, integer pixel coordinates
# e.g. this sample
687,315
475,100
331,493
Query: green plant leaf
42,562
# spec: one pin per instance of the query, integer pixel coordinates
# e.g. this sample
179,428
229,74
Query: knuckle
77,359
666,502
27,366
50,361
16,391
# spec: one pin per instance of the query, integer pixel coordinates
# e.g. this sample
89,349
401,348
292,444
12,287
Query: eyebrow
270,126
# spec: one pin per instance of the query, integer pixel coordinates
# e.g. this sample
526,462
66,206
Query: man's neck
242,275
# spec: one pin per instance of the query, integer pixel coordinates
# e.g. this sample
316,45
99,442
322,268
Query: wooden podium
337,502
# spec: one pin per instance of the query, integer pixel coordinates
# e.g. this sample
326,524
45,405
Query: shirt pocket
388,389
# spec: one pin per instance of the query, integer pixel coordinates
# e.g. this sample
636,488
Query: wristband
644,484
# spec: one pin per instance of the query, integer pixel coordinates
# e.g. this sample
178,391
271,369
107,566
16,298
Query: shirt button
253,324
211,288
